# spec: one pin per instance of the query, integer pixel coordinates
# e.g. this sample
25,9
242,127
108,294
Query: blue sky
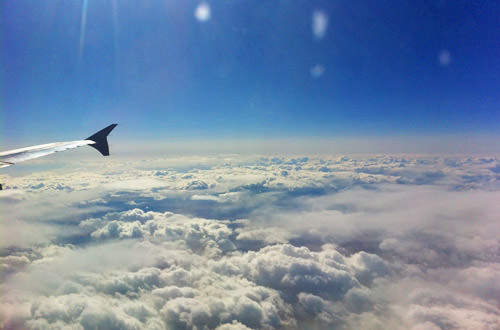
251,69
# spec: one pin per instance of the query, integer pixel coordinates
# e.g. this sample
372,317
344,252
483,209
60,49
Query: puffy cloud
13,263
258,242
295,269
199,235
235,325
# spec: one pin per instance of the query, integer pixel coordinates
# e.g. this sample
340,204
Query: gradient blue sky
246,72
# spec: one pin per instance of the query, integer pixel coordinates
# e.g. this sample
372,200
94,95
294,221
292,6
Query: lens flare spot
319,24
444,58
202,12
317,71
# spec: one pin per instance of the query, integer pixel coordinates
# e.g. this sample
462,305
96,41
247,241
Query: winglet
101,141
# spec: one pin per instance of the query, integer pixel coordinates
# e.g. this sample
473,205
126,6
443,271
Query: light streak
83,24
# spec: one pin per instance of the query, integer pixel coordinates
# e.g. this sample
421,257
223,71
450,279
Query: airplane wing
98,141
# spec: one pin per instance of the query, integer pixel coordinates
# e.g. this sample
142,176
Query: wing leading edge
99,141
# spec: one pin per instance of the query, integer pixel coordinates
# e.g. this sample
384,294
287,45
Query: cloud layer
235,242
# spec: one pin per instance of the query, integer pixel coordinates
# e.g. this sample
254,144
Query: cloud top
255,243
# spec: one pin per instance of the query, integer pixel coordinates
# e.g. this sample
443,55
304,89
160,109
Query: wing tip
100,139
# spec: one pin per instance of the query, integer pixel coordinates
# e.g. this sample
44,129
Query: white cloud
268,242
